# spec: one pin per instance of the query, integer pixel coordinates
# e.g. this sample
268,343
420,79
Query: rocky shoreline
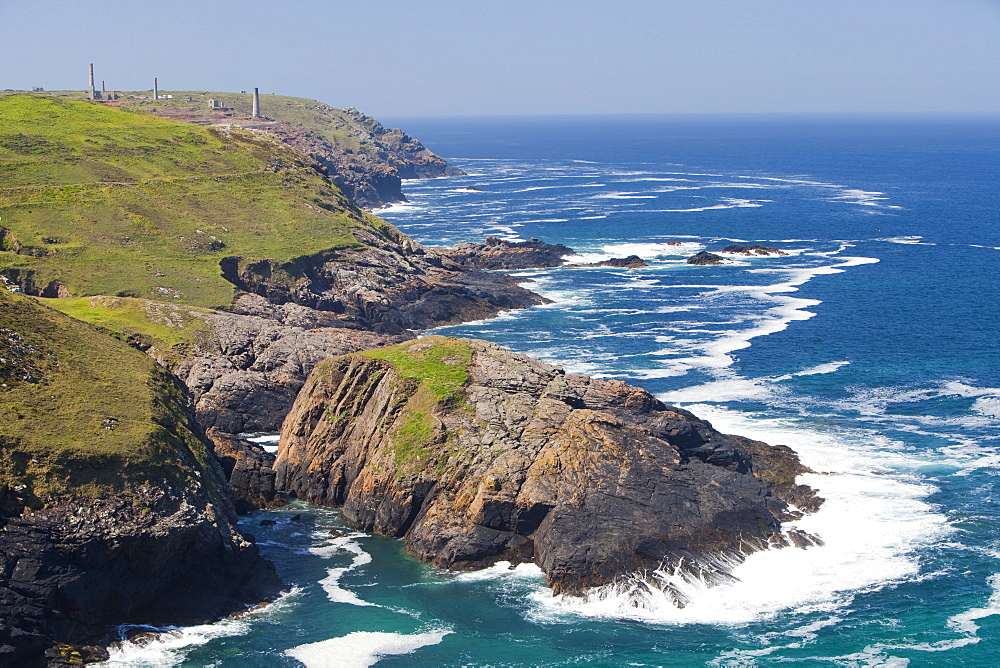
473,454
468,452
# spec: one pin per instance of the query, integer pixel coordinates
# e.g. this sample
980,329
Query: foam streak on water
362,648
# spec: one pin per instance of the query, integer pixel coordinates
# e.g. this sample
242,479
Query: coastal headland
231,280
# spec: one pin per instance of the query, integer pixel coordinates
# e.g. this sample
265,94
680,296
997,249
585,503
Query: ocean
870,348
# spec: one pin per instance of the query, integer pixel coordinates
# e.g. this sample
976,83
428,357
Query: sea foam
331,583
362,648
872,522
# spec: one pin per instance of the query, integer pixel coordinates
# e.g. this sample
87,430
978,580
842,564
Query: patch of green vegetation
140,322
439,363
110,201
84,415
415,433
436,367
337,126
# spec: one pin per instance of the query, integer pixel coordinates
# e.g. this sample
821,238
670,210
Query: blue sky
449,57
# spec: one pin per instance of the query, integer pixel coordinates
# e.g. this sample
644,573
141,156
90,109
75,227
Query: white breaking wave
401,207
362,648
829,367
502,570
910,241
863,197
331,583
646,251
624,195
726,203
964,624
172,644
875,401
560,187
715,354
269,442
873,524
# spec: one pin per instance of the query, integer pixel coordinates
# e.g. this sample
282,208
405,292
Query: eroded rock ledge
474,454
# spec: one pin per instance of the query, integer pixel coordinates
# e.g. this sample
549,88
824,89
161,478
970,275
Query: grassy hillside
84,414
335,125
346,129
113,202
338,126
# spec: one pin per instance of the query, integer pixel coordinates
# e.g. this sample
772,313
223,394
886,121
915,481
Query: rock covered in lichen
474,454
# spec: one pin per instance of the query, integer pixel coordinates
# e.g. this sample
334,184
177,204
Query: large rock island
474,454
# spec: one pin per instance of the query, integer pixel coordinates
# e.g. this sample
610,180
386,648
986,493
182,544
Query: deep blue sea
870,348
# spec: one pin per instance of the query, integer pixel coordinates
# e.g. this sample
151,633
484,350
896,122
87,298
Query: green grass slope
346,129
83,414
114,202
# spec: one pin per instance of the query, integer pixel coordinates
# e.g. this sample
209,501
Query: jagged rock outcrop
390,285
70,573
751,250
630,262
474,454
249,364
364,158
249,469
704,257
499,254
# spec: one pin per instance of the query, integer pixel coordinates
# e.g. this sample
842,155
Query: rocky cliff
364,158
390,285
474,454
113,508
496,253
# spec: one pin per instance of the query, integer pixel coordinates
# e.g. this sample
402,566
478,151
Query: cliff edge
113,507
474,454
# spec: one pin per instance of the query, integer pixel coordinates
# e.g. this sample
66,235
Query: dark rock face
392,285
70,573
752,250
630,262
499,254
370,174
592,480
704,257
249,469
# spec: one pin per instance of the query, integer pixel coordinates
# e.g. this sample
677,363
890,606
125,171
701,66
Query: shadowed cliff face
473,454
112,505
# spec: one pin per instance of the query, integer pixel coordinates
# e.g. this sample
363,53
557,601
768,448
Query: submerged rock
630,262
473,454
752,250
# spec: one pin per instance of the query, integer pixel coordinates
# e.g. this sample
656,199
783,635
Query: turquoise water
870,348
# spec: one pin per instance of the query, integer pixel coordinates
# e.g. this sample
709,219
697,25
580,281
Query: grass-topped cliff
364,158
473,454
115,202
85,415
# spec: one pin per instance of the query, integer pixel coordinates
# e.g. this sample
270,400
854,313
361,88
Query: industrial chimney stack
91,90
256,104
